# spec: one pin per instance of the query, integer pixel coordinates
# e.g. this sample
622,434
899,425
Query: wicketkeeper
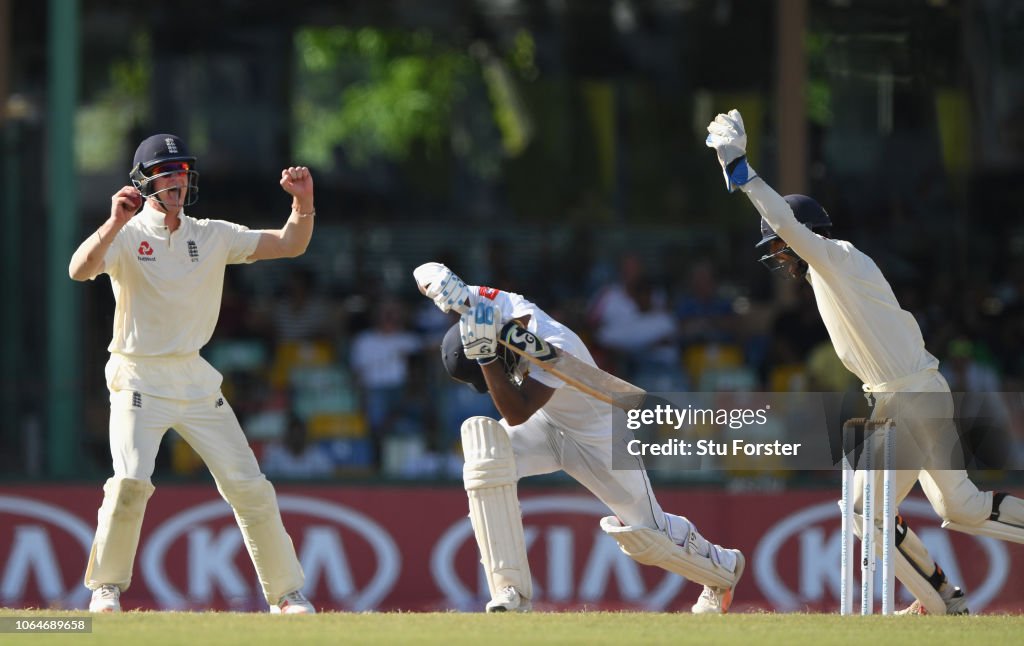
546,427
882,345
167,272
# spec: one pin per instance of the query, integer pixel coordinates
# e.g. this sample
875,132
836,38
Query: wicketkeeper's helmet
809,213
160,156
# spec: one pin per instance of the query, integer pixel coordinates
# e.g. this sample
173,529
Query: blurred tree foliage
375,93
103,121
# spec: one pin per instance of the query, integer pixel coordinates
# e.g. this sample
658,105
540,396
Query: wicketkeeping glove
479,330
729,139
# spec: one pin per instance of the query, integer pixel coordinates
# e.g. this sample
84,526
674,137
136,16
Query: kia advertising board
370,548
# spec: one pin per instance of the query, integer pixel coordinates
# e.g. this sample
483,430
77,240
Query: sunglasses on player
168,168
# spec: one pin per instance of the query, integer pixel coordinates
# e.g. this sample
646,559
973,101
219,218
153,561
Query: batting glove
479,331
443,286
728,137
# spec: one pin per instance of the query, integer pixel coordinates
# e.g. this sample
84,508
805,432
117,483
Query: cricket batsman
882,345
167,272
546,427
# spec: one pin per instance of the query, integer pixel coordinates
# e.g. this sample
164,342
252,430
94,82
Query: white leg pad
920,587
119,522
992,528
717,569
907,574
270,548
489,475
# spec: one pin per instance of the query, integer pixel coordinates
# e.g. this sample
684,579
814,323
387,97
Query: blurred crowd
331,382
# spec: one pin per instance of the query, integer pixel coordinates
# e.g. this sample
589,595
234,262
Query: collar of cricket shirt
154,219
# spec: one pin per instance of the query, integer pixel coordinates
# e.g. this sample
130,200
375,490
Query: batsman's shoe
956,604
718,600
508,599
106,598
293,603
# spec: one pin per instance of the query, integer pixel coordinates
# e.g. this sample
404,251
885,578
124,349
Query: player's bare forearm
293,238
298,230
515,403
87,261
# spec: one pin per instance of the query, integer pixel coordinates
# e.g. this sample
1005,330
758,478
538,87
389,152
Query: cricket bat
577,373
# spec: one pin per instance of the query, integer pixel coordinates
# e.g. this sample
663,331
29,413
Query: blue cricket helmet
461,368
807,211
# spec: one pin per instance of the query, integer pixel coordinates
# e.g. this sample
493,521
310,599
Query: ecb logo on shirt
193,250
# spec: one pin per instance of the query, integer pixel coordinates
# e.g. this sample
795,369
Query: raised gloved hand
479,331
728,137
443,286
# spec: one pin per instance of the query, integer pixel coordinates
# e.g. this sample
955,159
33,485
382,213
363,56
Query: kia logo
604,563
322,553
818,558
33,555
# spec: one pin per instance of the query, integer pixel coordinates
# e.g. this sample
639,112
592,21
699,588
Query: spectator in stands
705,316
294,457
236,319
301,315
982,413
797,330
380,362
631,319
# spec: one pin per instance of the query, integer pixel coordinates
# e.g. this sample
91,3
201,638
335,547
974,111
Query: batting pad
489,475
909,574
653,547
991,528
119,522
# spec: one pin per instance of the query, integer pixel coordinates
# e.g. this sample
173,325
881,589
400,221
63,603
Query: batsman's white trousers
541,446
137,425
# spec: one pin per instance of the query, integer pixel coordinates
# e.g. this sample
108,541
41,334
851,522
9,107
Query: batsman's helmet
160,156
461,368
809,213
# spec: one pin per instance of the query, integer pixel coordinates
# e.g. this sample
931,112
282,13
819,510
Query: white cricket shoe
106,598
508,599
718,600
293,603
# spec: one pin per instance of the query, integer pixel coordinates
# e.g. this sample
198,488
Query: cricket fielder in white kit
167,272
547,426
882,345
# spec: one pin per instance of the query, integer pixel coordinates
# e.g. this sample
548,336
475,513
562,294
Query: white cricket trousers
542,447
138,423
926,437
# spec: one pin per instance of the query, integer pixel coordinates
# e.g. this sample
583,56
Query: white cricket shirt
167,289
875,338
568,408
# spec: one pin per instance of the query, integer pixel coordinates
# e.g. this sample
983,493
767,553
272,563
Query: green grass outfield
251,629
